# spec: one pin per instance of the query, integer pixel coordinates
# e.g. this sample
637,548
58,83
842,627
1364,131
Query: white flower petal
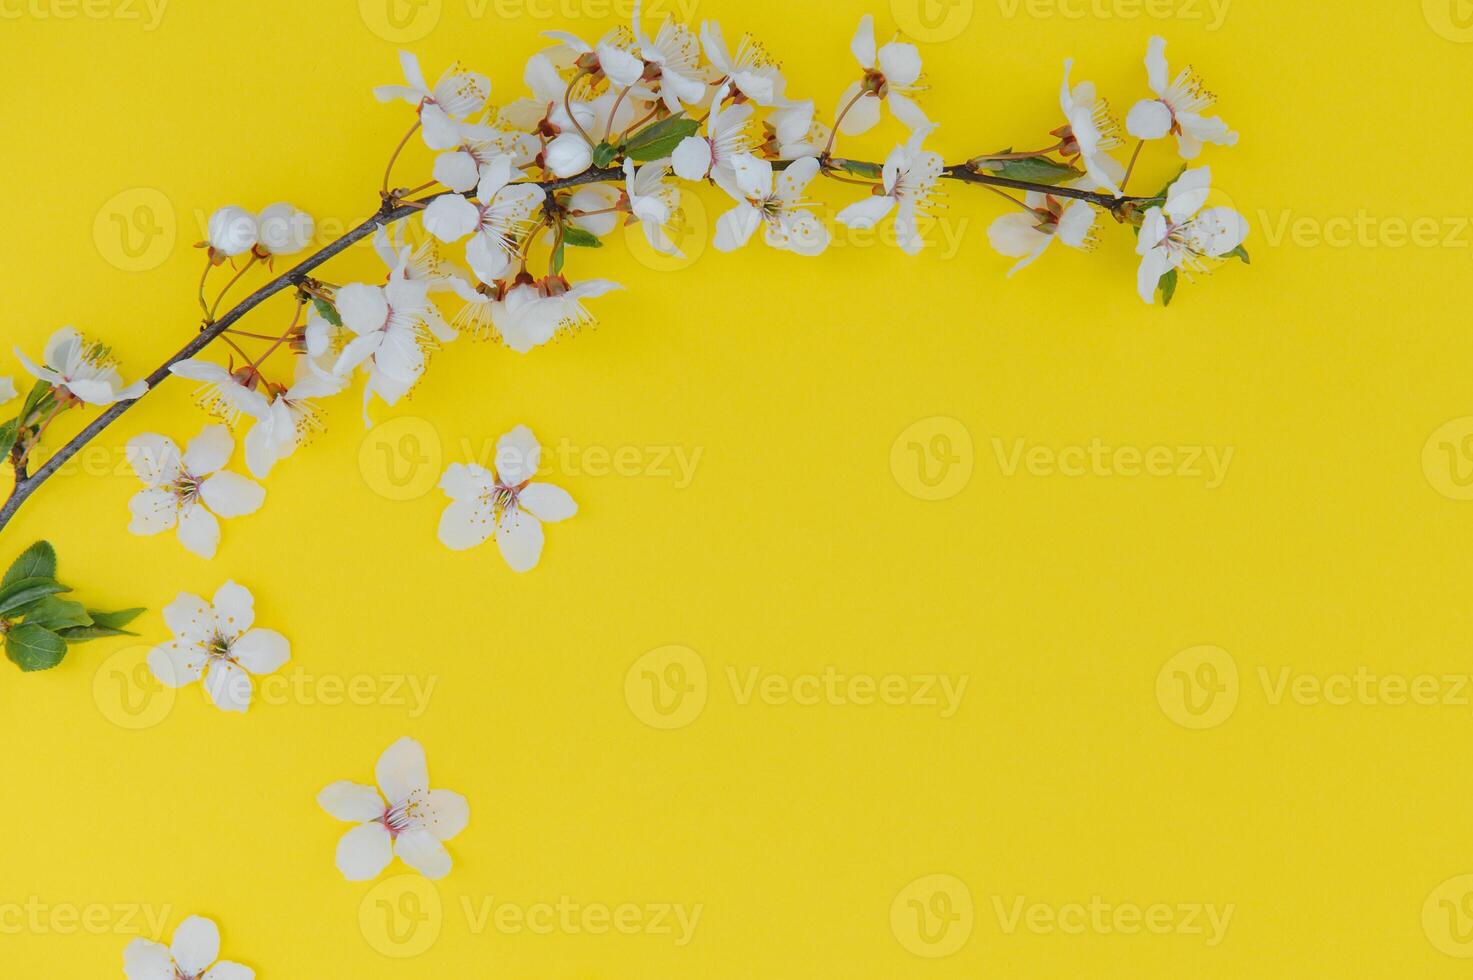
518,455
234,610
465,524
226,970
450,218
423,852
153,511
519,536
449,814
1149,119
154,458
402,770
208,451
362,308
228,686
196,944
364,852
199,531
261,651
232,495
145,960
352,801
178,662
190,618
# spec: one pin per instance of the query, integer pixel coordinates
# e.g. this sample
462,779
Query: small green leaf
37,561
103,624
27,590
861,168
603,155
660,139
557,258
114,620
56,614
1168,287
34,648
8,432
1239,253
327,311
580,238
1034,170
33,401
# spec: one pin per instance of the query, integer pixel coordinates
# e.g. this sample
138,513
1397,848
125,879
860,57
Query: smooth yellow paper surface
1233,688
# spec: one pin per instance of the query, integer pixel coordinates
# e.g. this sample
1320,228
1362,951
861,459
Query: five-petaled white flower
505,503
1094,132
1177,108
653,202
779,207
1179,237
752,70
892,73
231,231
409,819
283,229
83,367
909,182
188,491
218,642
1025,235
495,219
676,53
395,324
460,169
456,95
192,956
699,157
290,420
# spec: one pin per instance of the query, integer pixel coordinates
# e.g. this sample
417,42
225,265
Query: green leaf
104,624
38,393
56,614
861,168
557,258
34,648
581,238
114,620
1034,170
8,433
26,591
659,139
327,311
603,155
37,561
1168,287
1239,253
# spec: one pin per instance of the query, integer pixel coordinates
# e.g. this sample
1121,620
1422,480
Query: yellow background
1326,366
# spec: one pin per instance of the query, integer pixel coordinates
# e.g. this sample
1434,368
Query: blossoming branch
609,132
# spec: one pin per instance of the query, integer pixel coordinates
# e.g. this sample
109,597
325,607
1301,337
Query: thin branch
387,214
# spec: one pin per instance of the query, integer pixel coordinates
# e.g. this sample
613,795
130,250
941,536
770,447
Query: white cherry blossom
403,817
231,231
283,229
1181,236
461,169
567,155
892,74
457,95
793,133
189,491
1094,131
699,157
290,420
653,202
909,184
534,313
676,52
218,642
85,368
776,205
505,503
751,70
1177,108
221,393
192,956
498,216
1025,235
